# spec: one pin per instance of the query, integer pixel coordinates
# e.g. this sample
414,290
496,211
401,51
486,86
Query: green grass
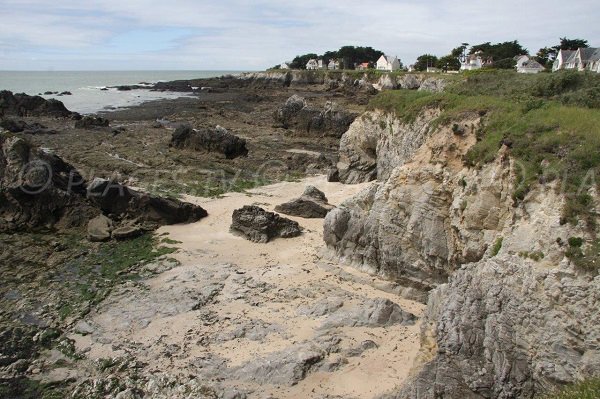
589,389
497,246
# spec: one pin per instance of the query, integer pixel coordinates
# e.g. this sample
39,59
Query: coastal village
581,59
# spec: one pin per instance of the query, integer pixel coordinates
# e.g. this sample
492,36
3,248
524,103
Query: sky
254,35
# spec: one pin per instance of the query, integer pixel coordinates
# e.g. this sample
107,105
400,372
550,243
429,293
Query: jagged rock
258,225
433,84
312,204
372,313
502,328
24,105
289,366
91,121
18,126
124,203
211,140
361,348
99,229
330,121
376,143
409,82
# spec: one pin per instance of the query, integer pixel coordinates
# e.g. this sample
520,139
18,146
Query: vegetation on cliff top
589,389
550,122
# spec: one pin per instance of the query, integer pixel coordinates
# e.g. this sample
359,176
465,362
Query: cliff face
508,314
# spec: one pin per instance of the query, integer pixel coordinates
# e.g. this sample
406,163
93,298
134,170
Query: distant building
286,65
411,68
561,59
363,66
526,64
312,64
321,64
387,63
333,64
475,61
433,70
584,59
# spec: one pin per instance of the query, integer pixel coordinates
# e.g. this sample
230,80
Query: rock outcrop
211,140
305,119
507,328
258,225
311,204
18,126
25,105
376,143
508,314
40,190
91,121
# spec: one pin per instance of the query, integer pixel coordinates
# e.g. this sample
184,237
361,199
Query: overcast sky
254,35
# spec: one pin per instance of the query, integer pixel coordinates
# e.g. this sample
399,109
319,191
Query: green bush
497,246
589,389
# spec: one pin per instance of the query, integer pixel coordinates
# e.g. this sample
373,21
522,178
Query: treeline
502,54
348,57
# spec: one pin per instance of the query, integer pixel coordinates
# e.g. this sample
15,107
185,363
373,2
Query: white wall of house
312,64
387,63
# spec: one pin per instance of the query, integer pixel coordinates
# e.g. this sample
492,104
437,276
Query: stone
257,225
333,175
99,229
312,204
322,307
91,121
210,140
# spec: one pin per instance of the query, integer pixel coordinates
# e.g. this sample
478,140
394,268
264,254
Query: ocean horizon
86,87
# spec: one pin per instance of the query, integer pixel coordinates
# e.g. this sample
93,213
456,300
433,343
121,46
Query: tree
424,61
571,44
449,62
501,53
546,56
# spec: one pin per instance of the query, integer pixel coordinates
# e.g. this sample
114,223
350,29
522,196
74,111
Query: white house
285,65
584,59
387,63
474,61
561,59
312,64
333,64
526,64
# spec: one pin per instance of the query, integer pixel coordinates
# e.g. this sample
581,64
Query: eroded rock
91,121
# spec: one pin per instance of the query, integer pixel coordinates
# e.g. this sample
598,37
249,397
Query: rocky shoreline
274,235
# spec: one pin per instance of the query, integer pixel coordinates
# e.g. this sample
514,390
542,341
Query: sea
86,86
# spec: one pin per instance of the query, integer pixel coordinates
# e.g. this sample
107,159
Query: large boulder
257,225
99,229
211,140
25,105
311,204
18,126
372,313
330,120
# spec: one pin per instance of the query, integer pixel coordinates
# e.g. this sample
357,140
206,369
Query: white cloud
253,35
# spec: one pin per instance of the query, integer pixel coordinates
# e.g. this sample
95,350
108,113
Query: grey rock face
505,329
373,313
329,121
376,143
312,204
211,140
258,225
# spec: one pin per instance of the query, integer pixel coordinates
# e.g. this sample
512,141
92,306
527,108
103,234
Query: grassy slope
551,121
584,390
